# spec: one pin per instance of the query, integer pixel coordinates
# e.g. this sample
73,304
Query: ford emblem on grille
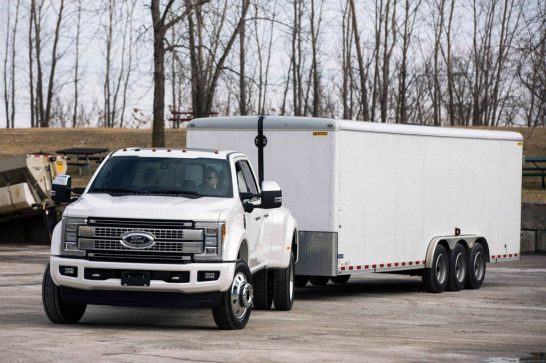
137,239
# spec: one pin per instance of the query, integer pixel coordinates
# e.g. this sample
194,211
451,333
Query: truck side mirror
61,189
271,195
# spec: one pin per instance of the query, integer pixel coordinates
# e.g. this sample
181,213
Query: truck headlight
215,234
69,239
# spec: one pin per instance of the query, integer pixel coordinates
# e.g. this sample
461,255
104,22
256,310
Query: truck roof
173,153
310,123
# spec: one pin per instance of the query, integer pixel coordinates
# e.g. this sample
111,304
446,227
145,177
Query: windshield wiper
122,191
175,192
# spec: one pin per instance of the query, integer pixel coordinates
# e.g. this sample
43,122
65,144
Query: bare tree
207,68
77,62
362,72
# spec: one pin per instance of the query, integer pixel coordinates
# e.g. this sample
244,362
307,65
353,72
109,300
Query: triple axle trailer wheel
455,269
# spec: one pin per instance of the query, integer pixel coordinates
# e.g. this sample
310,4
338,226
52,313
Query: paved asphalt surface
373,318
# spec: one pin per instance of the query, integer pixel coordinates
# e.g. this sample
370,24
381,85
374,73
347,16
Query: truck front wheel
56,309
435,277
283,289
235,305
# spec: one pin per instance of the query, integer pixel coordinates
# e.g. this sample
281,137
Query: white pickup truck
173,228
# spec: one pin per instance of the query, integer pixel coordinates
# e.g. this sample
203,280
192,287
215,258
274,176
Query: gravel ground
374,317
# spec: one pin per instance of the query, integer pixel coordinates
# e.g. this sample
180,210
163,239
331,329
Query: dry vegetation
21,141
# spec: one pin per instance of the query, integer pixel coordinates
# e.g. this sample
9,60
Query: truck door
254,220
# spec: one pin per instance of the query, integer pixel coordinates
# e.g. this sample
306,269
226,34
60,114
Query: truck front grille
172,239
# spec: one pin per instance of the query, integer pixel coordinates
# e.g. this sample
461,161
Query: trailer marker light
389,265
358,267
410,263
350,267
366,267
396,264
342,268
374,266
382,265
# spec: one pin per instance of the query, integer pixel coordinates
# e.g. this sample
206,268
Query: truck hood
148,207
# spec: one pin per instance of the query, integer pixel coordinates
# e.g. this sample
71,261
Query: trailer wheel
435,278
57,310
235,305
283,288
263,299
301,280
457,268
341,279
476,267
319,280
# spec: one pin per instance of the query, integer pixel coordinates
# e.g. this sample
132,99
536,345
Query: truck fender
56,240
283,237
236,237
450,242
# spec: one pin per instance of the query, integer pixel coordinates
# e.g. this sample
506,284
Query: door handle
258,218
266,215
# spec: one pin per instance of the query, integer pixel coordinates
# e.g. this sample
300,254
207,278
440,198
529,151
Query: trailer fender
451,241
283,236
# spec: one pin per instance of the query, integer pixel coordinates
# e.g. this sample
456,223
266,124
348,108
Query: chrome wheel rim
441,268
479,266
242,295
460,268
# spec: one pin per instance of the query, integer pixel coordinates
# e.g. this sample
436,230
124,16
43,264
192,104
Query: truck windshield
191,178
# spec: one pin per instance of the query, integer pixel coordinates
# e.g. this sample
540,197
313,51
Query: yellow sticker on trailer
320,133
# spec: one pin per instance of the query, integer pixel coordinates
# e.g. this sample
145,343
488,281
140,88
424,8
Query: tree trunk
158,132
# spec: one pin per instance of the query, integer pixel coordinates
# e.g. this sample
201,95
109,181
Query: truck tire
319,280
457,268
341,279
476,266
263,299
435,278
235,305
283,288
58,311
301,280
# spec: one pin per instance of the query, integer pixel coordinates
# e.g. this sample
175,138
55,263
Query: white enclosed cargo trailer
437,202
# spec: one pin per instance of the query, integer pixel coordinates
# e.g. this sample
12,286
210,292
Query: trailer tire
301,280
341,279
476,267
263,299
457,268
283,288
319,280
235,304
435,278
57,310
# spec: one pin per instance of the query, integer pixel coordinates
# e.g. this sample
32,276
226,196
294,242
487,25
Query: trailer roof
309,123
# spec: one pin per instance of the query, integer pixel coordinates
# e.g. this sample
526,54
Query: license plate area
135,278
